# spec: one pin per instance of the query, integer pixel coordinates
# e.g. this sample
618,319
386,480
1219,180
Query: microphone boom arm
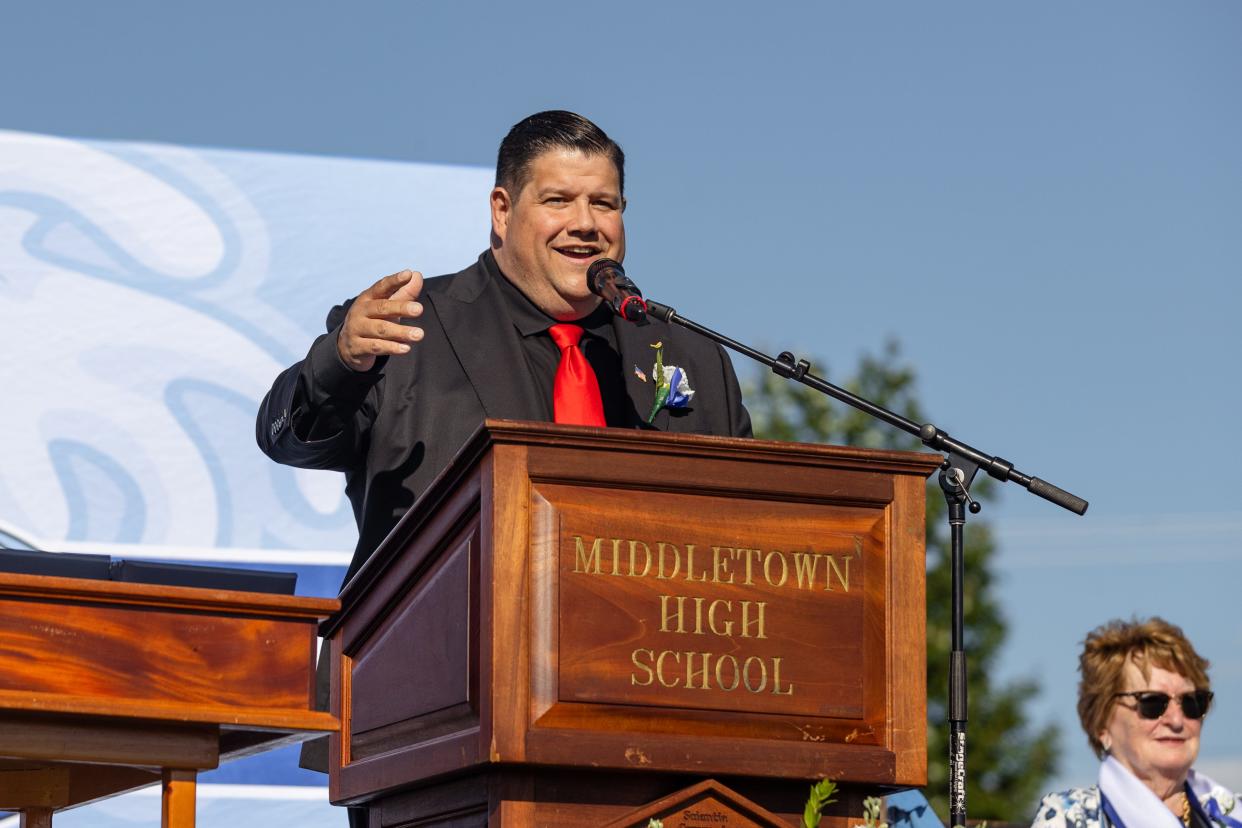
956,473
787,365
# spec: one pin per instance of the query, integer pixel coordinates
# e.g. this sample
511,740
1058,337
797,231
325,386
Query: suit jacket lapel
482,336
634,344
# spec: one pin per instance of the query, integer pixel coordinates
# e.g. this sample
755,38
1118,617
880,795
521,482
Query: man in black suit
408,370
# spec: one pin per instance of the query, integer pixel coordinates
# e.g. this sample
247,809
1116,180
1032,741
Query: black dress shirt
599,346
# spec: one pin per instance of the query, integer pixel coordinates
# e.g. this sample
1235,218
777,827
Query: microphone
607,280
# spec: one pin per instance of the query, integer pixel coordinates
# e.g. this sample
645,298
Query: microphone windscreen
600,273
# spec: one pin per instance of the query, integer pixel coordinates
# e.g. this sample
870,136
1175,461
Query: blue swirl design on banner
149,296
156,292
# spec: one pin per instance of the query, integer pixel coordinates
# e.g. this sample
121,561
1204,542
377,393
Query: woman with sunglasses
1142,699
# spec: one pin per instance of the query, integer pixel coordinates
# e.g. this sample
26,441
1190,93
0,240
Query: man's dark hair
543,131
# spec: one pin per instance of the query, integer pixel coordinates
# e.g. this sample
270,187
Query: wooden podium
106,687
572,623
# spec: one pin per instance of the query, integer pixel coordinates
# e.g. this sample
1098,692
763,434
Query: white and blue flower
672,385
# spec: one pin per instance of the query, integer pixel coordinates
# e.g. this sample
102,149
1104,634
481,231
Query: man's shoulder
684,344
465,284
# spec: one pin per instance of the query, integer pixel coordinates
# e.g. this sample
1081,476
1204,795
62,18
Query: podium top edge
521,432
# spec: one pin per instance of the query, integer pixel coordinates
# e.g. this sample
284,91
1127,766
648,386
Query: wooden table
106,687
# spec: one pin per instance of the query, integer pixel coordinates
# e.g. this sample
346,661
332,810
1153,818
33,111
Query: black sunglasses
1151,704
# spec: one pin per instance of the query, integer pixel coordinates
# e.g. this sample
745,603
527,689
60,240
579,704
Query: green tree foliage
1008,760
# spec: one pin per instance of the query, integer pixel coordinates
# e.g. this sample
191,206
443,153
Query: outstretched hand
372,327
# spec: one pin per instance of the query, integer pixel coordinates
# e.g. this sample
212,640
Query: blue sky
1041,201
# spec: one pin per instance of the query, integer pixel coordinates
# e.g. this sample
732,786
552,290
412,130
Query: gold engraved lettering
758,621
843,577
763,674
616,556
707,671
585,562
634,546
779,556
729,565
733,666
711,617
646,668
690,565
776,679
698,616
660,668
748,557
661,547
701,675
805,564
666,616
720,565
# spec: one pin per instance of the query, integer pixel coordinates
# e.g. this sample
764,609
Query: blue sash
1110,812
1215,814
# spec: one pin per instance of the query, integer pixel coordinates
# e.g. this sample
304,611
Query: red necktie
575,396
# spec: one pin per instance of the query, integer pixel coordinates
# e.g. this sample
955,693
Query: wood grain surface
152,654
103,684
710,603
177,800
668,607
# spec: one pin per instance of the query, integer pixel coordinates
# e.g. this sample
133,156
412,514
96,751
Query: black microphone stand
957,472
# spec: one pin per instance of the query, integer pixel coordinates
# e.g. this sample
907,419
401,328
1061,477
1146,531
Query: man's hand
372,328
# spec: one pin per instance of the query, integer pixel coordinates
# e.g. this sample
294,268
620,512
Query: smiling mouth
580,253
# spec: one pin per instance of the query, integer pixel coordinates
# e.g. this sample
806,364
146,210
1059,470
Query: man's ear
624,203
502,209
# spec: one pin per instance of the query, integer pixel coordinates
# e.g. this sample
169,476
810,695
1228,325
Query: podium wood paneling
624,602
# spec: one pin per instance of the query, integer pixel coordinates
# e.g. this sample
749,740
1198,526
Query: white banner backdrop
149,295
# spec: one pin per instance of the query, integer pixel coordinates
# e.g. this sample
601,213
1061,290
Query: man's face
567,215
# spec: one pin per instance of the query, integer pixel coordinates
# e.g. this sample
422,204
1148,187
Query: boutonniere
671,385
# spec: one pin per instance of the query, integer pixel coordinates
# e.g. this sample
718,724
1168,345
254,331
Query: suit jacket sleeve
318,413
